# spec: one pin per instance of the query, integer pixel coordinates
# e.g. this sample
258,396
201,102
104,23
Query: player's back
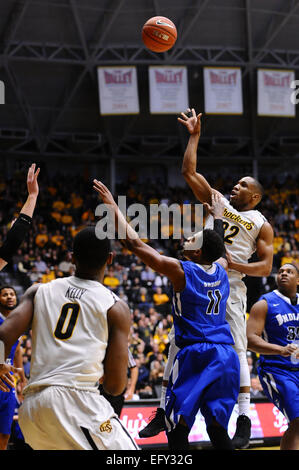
199,310
281,326
69,333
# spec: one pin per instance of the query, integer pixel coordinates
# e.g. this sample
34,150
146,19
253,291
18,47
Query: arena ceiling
50,50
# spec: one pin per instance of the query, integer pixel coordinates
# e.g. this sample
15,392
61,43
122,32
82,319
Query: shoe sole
151,435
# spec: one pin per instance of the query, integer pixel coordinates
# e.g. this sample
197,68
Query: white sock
244,404
163,396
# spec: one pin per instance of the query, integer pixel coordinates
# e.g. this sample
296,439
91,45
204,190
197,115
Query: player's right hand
6,378
193,123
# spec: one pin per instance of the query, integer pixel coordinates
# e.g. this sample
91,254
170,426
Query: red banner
266,421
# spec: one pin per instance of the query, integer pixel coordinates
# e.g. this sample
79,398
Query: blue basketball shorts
281,386
205,377
7,409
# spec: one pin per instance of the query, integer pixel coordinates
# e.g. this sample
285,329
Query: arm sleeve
15,237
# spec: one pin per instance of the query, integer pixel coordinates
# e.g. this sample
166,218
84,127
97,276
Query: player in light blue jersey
206,372
273,331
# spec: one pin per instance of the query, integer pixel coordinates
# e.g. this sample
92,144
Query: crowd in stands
66,205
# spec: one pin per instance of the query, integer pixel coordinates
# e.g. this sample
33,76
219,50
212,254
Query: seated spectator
143,299
66,265
66,218
34,275
40,265
110,280
143,372
256,389
42,238
57,239
147,277
48,276
24,267
161,301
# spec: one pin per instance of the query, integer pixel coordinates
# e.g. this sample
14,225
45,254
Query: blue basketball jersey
14,347
199,310
281,326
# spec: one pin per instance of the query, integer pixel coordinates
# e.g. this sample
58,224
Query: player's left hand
217,205
6,378
103,192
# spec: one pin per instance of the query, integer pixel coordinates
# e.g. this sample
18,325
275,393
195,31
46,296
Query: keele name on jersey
75,293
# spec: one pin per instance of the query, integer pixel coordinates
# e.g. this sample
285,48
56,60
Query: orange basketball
159,34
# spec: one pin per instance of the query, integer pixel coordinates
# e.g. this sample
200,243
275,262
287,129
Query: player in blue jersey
206,373
8,301
273,331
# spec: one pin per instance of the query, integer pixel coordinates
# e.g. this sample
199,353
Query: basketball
159,34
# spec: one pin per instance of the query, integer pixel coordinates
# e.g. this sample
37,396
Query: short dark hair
259,188
212,246
90,252
7,286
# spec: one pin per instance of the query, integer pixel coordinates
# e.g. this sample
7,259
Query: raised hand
103,192
192,123
32,184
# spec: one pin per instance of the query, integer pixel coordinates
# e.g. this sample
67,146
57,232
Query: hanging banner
168,89
223,90
118,92
274,93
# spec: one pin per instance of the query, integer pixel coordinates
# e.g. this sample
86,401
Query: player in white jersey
79,335
246,231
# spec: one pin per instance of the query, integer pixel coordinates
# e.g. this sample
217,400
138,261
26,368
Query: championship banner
168,89
118,92
274,93
223,90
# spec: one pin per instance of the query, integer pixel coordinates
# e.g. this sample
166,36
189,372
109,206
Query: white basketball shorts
64,418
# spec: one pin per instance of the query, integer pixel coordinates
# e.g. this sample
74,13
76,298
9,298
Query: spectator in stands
40,265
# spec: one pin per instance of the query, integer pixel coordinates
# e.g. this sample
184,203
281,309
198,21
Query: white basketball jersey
69,333
241,230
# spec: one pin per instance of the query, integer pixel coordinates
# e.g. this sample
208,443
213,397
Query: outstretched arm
170,267
20,228
197,182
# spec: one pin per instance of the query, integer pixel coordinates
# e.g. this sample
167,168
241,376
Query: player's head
8,297
246,194
90,253
204,247
288,279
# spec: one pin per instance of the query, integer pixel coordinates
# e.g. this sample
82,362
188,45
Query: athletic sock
244,404
163,396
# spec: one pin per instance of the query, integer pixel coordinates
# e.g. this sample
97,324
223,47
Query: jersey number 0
64,329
